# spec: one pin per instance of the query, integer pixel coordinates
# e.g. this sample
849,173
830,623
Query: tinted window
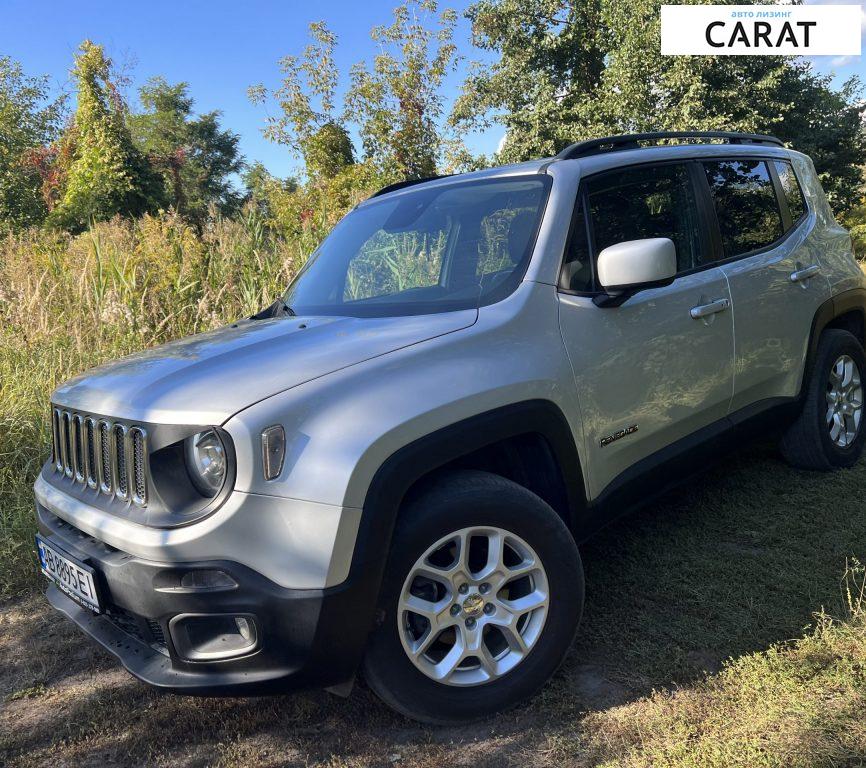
576,269
654,201
746,205
791,188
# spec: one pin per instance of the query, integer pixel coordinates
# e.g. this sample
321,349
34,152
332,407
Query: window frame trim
711,231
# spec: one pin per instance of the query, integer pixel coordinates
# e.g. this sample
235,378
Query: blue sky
219,47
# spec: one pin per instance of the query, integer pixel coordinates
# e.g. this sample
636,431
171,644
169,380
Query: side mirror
635,264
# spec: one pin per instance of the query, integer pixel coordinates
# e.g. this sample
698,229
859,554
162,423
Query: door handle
705,310
804,274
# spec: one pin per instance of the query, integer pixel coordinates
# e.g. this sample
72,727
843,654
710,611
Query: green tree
572,69
194,155
308,124
399,102
262,188
551,56
107,174
395,105
29,122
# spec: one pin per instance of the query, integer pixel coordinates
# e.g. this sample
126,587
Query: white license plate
72,576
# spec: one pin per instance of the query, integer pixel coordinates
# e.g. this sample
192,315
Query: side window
576,272
791,188
654,201
746,205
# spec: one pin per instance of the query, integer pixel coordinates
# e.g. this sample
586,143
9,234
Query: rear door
658,368
774,272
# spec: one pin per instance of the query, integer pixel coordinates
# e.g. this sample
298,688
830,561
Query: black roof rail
633,141
403,184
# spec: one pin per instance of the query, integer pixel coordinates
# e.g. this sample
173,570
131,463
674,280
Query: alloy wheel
844,401
473,606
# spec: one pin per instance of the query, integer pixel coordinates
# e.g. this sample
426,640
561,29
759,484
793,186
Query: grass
724,624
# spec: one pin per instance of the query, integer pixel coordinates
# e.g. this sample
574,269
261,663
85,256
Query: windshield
430,249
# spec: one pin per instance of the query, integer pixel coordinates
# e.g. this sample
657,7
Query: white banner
761,30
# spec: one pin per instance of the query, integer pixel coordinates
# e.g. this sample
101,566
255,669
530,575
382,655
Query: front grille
147,631
156,631
101,454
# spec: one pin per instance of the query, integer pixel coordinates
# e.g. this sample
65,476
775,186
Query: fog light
213,637
244,628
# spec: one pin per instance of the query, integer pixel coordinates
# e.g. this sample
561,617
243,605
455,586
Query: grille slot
56,441
67,445
90,451
101,454
106,480
122,469
77,451
138,458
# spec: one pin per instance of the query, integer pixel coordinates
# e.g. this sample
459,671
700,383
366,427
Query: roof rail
633,141
403,184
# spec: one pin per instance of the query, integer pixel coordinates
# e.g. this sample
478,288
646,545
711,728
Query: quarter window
791,188
648,201
576,269
746,205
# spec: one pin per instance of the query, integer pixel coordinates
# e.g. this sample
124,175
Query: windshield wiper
277,309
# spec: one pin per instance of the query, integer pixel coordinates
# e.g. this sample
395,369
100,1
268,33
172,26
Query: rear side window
746,205
791,189
649,201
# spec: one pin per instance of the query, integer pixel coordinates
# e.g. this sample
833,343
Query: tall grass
70,302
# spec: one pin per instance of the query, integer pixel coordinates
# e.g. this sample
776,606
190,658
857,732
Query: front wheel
482,597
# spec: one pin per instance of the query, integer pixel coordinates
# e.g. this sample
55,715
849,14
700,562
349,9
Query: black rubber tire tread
457,500
807,444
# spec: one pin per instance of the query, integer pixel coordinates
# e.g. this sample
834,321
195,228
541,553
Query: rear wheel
482,597
829,432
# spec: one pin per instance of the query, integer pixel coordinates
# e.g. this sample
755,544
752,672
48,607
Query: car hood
207,378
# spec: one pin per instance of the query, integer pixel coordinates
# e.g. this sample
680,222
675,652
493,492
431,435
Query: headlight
206,461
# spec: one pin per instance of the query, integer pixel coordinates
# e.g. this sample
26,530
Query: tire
809,443
487,506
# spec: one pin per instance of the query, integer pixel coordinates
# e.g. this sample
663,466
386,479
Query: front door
659,367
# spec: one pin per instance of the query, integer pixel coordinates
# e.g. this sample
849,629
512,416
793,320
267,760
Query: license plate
72,576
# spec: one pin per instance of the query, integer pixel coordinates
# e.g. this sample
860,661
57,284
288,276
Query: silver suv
390,469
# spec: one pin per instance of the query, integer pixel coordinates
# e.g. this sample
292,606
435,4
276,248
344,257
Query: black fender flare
853,300
400,471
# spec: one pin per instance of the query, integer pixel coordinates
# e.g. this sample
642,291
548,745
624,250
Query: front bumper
306,637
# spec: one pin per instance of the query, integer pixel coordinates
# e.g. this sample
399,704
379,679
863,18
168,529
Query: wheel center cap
473,606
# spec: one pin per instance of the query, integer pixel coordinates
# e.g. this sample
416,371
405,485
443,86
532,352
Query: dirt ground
66,702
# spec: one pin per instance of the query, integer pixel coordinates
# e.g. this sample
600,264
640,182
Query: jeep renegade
390,469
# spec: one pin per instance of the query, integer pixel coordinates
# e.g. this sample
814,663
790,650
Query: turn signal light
273,451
